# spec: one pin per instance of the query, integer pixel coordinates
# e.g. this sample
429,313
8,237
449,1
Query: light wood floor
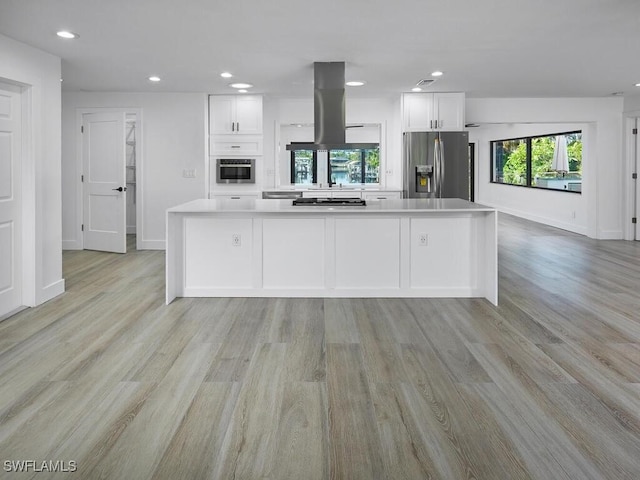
545,386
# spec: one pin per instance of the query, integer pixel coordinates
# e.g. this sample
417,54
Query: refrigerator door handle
442,173
436,167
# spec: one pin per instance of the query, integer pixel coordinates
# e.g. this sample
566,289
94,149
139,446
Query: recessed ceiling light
154,78
416,89
242,90
437,73
637,84
226,75
66,34
355,83
241,85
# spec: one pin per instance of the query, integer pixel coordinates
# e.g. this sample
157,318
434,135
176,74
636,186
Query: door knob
120,189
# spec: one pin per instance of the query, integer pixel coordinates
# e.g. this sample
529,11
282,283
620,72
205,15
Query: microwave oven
235,170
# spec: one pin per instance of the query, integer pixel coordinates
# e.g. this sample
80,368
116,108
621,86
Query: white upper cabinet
235,114
433,111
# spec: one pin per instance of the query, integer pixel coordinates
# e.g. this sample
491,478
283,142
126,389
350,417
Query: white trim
610,235
30,269
71,245
631,187
51,291
150,244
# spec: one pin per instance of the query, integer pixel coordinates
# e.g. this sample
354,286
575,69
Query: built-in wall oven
235,170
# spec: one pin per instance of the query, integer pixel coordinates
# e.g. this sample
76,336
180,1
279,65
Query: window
546,161
343,166
354,166
304,167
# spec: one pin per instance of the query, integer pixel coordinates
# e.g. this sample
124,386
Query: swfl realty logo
40,466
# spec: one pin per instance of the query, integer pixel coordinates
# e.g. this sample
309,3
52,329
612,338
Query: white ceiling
488,48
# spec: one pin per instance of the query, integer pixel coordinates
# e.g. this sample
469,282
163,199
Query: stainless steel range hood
329,110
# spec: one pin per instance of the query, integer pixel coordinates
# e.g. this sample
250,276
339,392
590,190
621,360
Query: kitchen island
388,248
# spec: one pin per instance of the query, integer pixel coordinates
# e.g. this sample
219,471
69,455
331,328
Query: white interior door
10,199
104,187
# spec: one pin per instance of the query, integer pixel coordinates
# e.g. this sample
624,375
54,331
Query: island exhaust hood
329,110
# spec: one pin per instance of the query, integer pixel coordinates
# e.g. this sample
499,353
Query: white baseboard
71,245
50,291
610,235
151,245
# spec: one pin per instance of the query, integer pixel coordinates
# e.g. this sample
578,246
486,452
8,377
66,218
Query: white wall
171,137
39,74
600,211
284,111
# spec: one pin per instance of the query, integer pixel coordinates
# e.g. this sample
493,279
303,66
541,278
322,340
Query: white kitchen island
388,248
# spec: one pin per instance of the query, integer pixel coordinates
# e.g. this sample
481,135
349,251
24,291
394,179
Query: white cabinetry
433,111
367,195
235,115
235,131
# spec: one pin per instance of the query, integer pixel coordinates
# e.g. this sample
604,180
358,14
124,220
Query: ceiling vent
425,82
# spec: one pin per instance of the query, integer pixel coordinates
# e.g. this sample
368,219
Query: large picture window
547,161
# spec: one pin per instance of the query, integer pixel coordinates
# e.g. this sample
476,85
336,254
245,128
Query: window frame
529,168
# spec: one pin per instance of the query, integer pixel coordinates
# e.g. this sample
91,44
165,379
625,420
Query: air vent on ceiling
425,82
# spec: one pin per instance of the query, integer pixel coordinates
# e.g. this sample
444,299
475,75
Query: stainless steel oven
235,170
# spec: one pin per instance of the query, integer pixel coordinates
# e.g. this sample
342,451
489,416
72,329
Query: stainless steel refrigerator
437,165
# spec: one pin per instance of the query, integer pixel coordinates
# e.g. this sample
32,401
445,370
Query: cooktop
325,202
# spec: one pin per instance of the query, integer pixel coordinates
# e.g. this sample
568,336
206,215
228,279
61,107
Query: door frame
27,261
632,164
137,111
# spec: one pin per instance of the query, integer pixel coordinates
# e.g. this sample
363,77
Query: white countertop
411,205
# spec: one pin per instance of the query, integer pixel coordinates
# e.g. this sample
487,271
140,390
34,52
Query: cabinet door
417,112
448,109
249,115
221,114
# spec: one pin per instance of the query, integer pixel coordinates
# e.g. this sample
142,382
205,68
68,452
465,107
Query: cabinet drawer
346,194
316,194
235,145
381,195
240,196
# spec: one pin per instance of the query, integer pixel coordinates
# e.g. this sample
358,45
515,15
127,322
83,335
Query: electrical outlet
236,240
423,239
389,171
189,173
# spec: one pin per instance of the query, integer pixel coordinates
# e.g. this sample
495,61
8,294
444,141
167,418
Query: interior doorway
110,141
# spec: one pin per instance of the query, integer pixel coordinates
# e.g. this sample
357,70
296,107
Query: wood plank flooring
545,386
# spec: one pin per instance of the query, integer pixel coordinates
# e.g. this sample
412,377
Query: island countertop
388,248
403,206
